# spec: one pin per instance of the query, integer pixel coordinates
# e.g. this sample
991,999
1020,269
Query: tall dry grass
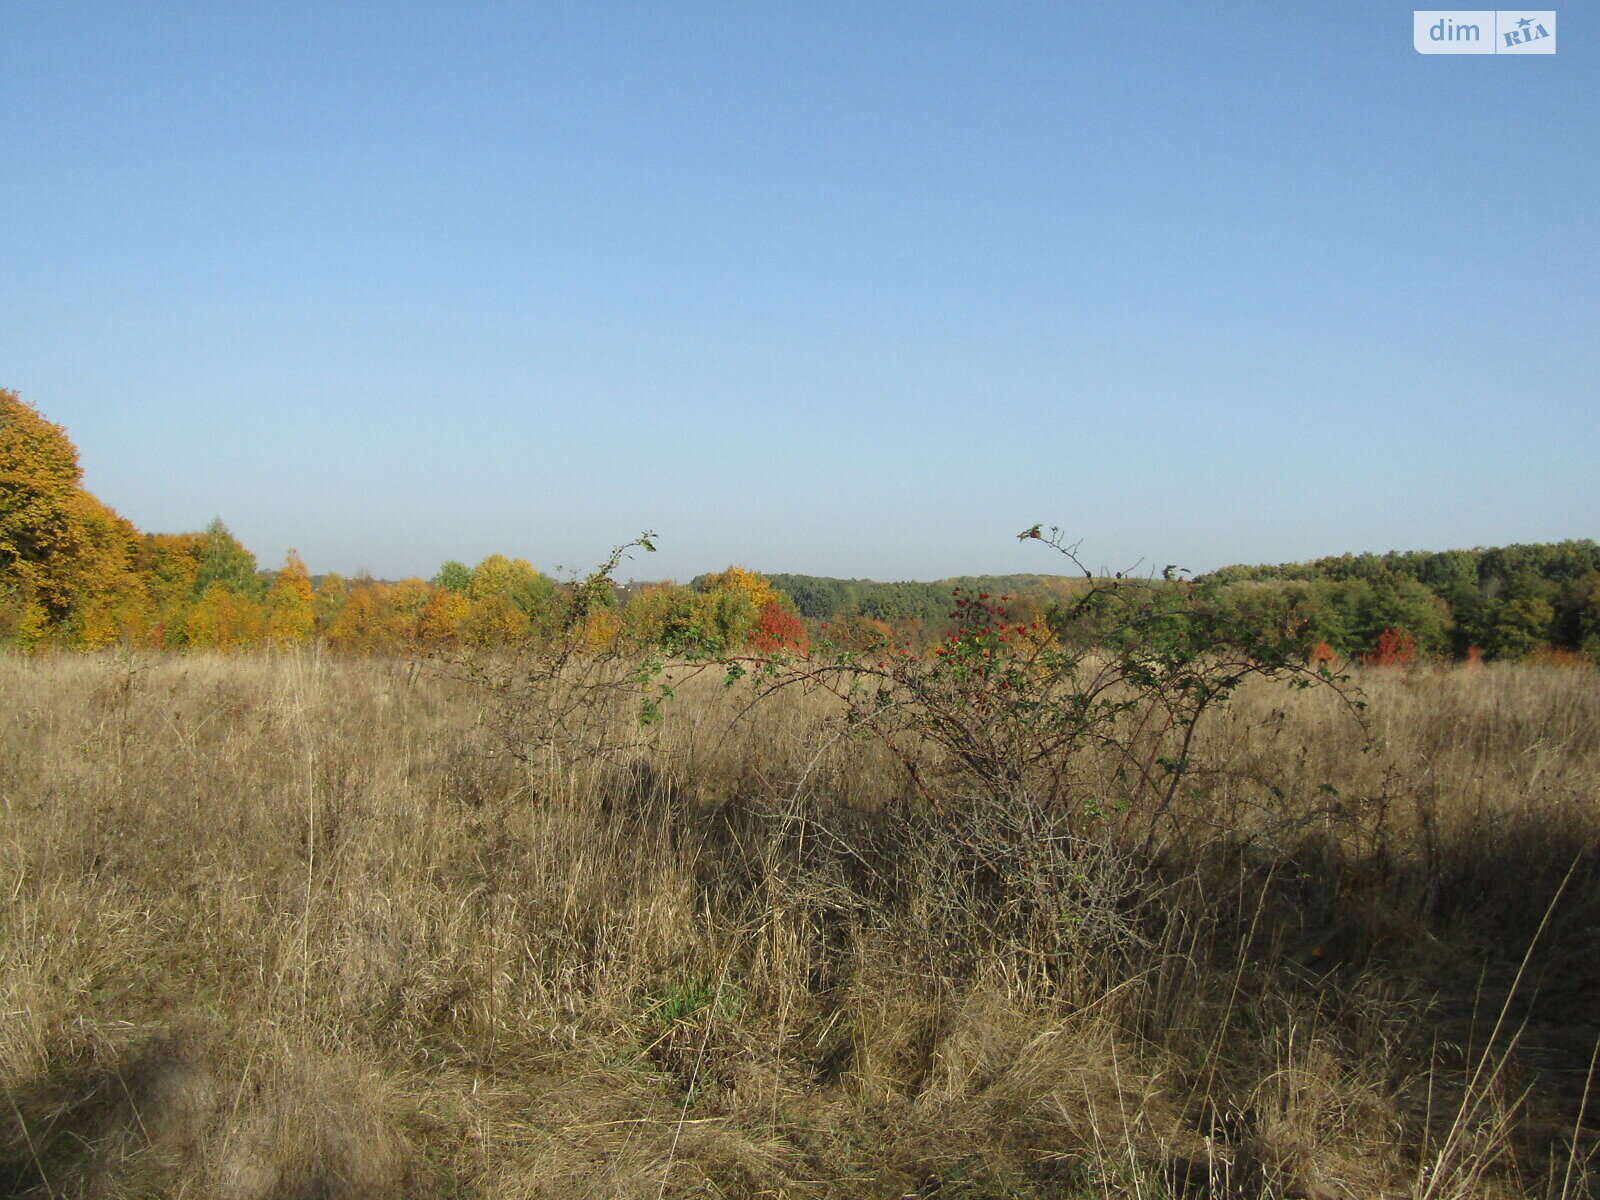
292,928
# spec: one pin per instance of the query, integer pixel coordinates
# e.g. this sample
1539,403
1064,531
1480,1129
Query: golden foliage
368,621
660,614
291,620
329,600
740,582
170,566
495,621
223,621
23,622
600,628
498,575
59,546
443,618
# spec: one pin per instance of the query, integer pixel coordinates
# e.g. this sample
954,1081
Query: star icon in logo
1525,22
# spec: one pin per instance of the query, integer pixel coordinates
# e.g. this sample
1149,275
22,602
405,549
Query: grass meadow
302,928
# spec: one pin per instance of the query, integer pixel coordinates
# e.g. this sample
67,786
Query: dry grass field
303,929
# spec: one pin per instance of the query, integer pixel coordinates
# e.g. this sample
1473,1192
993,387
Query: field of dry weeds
301,929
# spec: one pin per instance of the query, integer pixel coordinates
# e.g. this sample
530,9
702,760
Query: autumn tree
169,565
409,598
859,635
1395,648
122,615
599,628
663,615
367,621
729,605
494,621
61,550
444,617
291,619
39,475
330,598
178,571
778,629
223,620
383,616
738,581
514,581
498,575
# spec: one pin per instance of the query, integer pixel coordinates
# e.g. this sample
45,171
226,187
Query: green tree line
1504,601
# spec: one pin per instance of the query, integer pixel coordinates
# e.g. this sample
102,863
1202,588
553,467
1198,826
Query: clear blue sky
848,289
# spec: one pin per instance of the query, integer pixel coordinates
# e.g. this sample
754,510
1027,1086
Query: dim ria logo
1484,32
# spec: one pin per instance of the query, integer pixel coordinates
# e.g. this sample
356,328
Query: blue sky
846,289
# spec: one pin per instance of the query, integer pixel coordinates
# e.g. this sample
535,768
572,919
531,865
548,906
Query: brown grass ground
298,929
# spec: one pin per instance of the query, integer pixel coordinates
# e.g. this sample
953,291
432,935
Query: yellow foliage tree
23,622
60,548
729,606
513,579
330,598
661,614
125,616
444,617
291,619
498,575
494,621
600,628
739,582
97,626
409,599
223,621
169,565
368,621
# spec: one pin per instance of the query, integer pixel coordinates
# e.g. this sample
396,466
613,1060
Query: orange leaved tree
777,629
1395,648
61,550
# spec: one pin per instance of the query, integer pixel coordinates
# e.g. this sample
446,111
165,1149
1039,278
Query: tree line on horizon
74,574
1502,602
